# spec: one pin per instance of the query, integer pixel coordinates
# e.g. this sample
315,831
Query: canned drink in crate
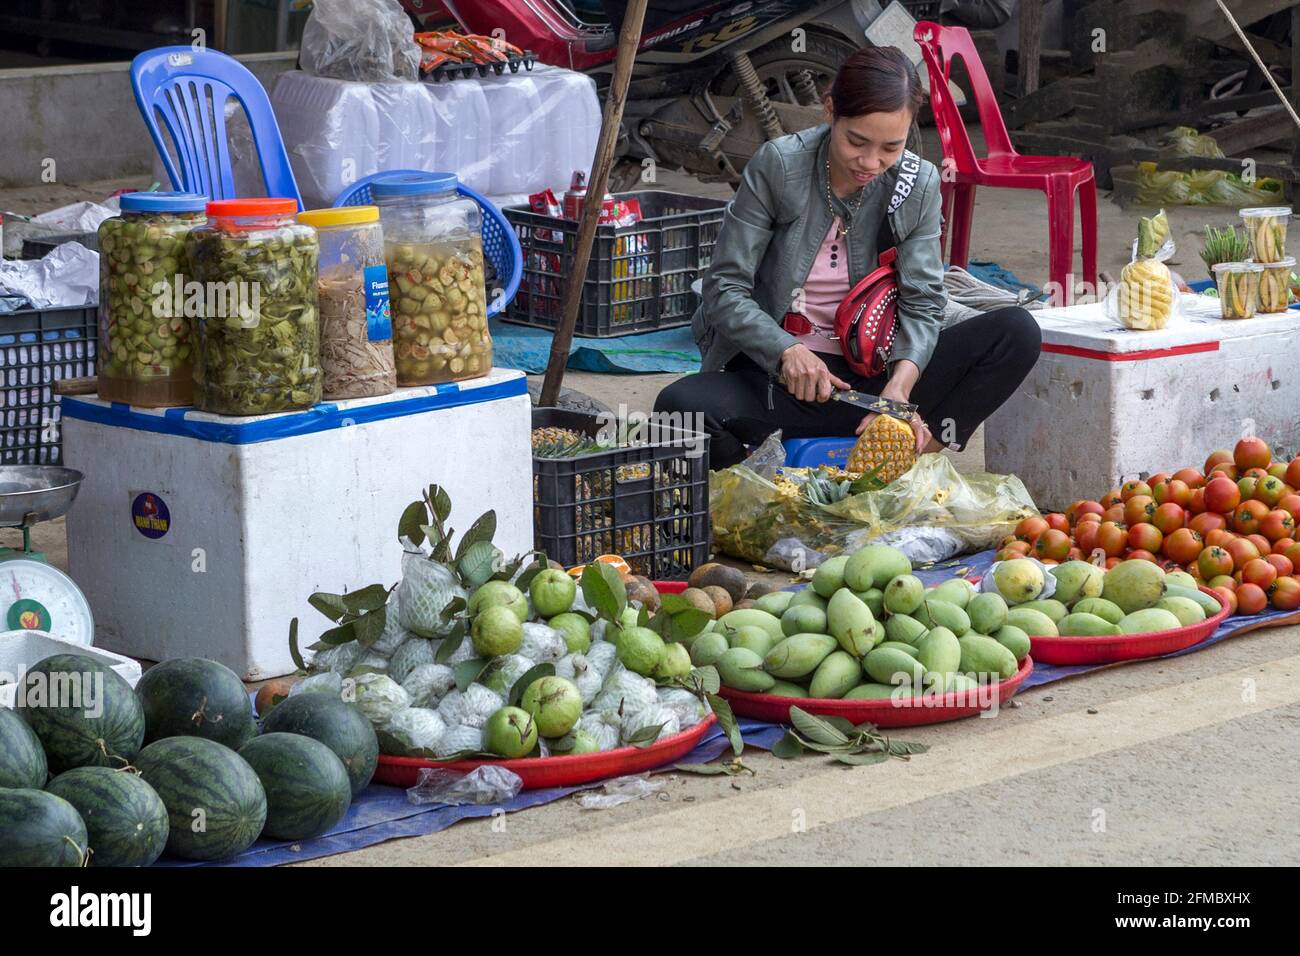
631,258
575,195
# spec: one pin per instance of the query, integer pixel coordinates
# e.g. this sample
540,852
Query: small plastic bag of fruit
1145,298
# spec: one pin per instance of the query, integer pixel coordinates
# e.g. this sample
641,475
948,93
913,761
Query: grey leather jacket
770,235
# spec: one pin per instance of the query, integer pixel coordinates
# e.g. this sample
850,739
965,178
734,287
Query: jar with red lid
257,328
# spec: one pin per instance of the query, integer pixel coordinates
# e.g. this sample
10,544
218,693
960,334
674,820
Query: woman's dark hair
876,79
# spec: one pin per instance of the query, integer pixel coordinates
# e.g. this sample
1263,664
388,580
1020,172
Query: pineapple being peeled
1145,295
887,443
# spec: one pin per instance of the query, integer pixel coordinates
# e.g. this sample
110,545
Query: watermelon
340,726
39,829
215,804
22,759
307,786
194,697
84,713
125,819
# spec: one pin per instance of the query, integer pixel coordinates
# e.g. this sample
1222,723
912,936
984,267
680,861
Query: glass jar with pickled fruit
434,248
257,332
144,334
356,329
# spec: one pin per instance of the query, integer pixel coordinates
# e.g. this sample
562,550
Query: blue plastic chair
500,244
189,88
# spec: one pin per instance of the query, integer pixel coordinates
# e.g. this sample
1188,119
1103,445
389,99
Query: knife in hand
874,403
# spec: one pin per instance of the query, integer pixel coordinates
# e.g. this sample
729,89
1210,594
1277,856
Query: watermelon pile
93,771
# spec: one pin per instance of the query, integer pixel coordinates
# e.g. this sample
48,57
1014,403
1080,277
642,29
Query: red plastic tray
882,713
1125,647
540,772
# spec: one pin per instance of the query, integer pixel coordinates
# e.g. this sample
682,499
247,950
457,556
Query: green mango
960,683
1186,610
829,576
874,566
798,655
783,688
1179,579
1076,580
987,612
939,652
1148,620
807,597
742,669
803,619
904,594
1207,602
958,591
851,623
708,648
835,676
1134,585
1106,610
873,598
776,603
904,629
1034,623
874,691
984,655
1049,606
910,649
1013,639
750,617
942,614
754,638
886,666
1083,624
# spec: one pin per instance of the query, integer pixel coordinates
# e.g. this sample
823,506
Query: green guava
641,649
555,704
511,733
576,631
676,662
496,631
552,592
499,593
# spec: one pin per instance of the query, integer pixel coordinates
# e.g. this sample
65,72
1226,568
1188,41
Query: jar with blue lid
434,250
145,347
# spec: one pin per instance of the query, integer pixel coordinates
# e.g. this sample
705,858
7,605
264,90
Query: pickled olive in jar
258,332
145,346
440,328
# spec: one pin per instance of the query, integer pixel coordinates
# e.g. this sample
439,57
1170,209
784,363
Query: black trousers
976,366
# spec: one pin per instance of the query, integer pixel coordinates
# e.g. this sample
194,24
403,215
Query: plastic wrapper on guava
922,544
577,668
472,707
989,582
625,691
393,634
618,791
635,721
506,670
340,658
428,684
598,628
542,643
604,727
330,682
602,655
409,655
688,708
427,588
412,732
371,661
458,738
482,786
464,651
364,40
755,520
379,697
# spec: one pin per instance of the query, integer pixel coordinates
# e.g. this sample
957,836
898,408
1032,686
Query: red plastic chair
1057,176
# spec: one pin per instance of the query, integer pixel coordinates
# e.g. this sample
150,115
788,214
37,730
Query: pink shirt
823,291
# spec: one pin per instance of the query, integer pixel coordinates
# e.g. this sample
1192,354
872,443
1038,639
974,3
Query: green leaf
788,747
442,550
603,590
731,768
842,724
866,727
661,624
544,669
480,531
672,603
686,624
339,635
331,605
539,565
643,617
900,748
815,729
727,721
708,677
645,736
367,599
847,748
454,607
450,644
861,760
370,627
293,646
467,672
479,562
441,502
410,525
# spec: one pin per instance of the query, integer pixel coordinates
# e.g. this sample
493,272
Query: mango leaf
410,525
539,565
603,589
467,672
441,502
867,727
544,669
815,729
645,736
847,748
451,644
454,607
480,531
727,721
370,627
787,748
842,724
479,562
732,768
293,646
708,678
900,748
686,624
339,635
367,599
672,603
861,760
331,605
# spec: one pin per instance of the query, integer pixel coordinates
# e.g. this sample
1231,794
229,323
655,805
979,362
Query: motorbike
712,81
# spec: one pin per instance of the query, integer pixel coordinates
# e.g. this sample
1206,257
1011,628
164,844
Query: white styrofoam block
1080,425
19,650
256,528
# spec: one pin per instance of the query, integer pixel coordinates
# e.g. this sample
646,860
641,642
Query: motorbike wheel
778,66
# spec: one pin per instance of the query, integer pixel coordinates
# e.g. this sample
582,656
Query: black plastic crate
647,502
37,348
639,278
38,247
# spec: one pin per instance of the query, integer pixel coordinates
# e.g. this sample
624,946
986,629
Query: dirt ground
1104,770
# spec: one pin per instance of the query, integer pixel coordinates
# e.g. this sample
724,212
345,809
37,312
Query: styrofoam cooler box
1105,404
202,535
19,650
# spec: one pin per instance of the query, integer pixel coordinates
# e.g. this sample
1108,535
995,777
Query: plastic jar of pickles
1266,231
356,329
257,332
434,249
144,334
1275,284
1238,285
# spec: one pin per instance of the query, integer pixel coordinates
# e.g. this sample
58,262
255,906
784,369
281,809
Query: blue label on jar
379,321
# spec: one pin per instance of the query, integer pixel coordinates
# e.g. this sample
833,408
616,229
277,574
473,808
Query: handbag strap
908,168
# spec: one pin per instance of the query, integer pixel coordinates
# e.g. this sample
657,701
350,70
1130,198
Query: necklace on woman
844,223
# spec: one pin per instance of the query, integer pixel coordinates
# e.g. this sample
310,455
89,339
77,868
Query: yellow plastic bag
1200,187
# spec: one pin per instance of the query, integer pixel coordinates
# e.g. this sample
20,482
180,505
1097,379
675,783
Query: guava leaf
787,748
686,624
732,768
603,589
645,736
672,603
367,599
861,760
661,624
479,532
643,617
410,525
451,644
454,607
331,605
370,627
544,669
339,635
708,678
815,729
441,502
294,652
727,721
467,672
841,724
902,747
866,727
478,563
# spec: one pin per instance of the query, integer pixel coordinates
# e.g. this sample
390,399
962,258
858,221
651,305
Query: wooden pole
1031,44
628,40
1295,77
